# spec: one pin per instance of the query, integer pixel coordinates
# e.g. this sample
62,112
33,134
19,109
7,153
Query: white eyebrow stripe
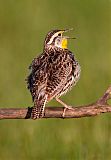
52,38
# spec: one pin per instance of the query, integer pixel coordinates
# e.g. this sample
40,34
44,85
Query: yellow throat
64,43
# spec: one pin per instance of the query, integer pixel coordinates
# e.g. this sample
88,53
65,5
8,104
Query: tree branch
100,106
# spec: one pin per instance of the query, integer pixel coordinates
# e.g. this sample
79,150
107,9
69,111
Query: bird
53,72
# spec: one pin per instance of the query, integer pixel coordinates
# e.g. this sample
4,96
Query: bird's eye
59,34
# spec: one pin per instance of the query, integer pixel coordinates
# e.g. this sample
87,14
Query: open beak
70,37
67,30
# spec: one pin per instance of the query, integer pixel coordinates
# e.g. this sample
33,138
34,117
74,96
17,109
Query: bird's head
55,38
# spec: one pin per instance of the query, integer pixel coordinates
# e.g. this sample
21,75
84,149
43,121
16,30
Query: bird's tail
39,105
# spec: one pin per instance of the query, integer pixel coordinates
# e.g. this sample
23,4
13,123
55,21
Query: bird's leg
65,106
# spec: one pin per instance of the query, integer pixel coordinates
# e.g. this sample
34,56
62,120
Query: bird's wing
35,63
76,69
37,82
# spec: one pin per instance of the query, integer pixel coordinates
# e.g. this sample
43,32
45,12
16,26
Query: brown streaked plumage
53,73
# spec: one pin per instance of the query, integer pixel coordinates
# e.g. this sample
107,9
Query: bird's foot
65,108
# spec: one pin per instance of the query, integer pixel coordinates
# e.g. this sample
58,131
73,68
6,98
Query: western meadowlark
53,73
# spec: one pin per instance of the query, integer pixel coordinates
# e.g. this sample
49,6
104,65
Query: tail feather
38,109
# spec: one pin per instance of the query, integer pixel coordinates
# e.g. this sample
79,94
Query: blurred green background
23,26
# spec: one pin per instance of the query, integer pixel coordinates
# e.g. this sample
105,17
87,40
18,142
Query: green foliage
23,25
